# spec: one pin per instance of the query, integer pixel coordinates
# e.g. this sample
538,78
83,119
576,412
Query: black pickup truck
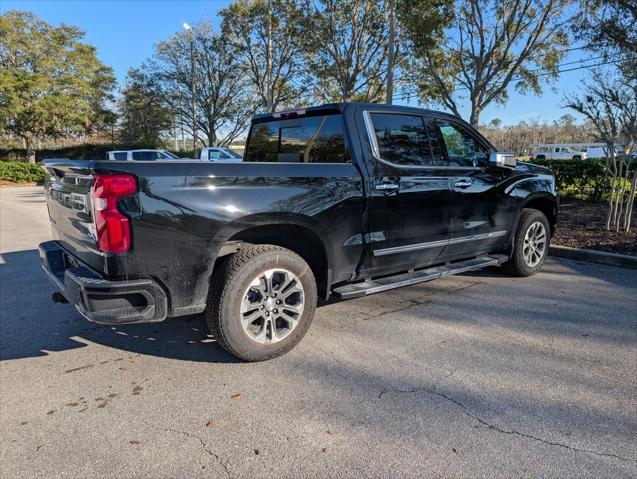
333,201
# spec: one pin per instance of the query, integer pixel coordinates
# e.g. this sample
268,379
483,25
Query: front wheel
261,303
531,245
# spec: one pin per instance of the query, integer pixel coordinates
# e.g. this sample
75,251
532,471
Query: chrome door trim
371,135
436,244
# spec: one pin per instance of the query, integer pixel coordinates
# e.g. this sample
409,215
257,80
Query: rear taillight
111,226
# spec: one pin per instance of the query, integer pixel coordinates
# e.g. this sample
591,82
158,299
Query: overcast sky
124,33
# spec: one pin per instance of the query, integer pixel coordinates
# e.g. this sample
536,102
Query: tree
348,56
485,46
223,102
266,34
608,27
495,123
144,116
51,84
610,103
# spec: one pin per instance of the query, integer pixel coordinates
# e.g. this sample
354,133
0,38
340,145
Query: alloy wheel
534,244
272,306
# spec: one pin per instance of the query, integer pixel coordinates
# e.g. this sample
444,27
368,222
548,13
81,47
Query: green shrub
584,179
21,172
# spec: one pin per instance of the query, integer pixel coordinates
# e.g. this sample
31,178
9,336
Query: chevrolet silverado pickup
335,201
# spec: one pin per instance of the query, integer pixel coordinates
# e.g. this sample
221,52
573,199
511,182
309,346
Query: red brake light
111,226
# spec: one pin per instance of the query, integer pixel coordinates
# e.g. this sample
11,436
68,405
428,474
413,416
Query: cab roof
341,107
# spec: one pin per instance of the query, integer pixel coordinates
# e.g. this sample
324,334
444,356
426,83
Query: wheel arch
545,203
299,235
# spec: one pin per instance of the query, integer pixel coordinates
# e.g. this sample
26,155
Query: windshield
171,155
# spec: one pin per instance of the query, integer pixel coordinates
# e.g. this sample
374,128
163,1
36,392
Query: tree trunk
475,116
611,161
28,143
269,97
631,201
619,195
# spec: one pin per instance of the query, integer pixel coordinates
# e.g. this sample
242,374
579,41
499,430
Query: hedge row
584,179
20,172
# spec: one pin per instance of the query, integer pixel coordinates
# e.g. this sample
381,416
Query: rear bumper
98,299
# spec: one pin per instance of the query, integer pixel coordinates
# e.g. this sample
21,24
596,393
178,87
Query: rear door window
120,155
315,139
404,140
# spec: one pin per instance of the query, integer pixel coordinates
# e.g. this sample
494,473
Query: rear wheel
577,157
531,244
262,302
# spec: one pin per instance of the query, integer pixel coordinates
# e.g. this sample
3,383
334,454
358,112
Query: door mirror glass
502,159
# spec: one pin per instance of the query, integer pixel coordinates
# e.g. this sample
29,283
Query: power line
518,79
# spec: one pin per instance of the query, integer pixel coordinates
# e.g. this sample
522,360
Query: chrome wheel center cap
269,304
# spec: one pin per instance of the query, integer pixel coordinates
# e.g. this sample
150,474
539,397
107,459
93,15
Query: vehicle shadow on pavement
31,325
579,267
34,195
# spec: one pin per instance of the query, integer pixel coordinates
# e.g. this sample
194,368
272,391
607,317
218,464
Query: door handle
462,184
387,186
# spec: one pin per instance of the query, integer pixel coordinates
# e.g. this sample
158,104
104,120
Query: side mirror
502,159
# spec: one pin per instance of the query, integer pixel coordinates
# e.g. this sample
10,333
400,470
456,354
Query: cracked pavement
479,375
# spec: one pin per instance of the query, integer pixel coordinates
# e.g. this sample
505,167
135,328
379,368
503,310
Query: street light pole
391,51
193,86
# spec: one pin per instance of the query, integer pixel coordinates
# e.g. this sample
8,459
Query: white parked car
140,155
557,152
219,153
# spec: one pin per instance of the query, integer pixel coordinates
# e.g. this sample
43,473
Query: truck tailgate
68,196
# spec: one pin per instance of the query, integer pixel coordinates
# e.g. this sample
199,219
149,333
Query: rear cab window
305,139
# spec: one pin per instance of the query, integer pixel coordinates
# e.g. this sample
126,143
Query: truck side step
364,288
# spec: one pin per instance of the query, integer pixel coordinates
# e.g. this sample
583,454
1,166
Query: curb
601,257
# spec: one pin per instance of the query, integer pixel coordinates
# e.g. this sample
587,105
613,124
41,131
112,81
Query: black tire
227,291
540,157
517,265
577,157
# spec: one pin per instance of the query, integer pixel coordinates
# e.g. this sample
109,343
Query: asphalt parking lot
479,375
